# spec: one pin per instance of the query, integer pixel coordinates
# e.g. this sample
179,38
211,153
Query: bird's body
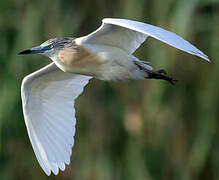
102,62
106,54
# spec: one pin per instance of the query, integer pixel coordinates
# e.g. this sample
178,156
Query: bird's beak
35,50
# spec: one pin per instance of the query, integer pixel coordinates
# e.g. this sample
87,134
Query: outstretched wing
129,35
48,105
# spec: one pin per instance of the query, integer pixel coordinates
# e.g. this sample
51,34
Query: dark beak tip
24,52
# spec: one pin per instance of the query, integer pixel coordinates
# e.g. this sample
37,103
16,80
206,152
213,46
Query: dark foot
160,74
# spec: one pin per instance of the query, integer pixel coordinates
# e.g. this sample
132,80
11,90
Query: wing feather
48,104
129,35
114,35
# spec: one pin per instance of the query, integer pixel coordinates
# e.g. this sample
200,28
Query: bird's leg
157,74
160,74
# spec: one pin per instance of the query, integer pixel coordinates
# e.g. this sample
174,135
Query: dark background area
134,130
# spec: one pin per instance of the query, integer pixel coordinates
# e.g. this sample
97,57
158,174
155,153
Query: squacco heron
48,94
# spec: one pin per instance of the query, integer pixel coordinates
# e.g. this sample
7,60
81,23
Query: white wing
128,35
48,104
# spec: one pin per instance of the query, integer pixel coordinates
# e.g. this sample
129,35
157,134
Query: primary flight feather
107,54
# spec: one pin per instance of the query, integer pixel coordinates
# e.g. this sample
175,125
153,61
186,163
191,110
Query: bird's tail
157,74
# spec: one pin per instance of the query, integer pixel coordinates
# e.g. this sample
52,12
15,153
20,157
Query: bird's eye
51,46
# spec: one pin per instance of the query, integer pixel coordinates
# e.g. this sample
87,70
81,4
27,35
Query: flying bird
48,94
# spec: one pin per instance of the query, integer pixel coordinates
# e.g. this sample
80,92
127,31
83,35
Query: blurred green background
134,130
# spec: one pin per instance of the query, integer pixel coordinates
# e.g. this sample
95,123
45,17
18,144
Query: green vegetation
135,130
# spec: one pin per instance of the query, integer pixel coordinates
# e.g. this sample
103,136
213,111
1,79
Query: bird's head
50,47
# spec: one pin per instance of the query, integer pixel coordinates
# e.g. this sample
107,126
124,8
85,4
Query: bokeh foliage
133,130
